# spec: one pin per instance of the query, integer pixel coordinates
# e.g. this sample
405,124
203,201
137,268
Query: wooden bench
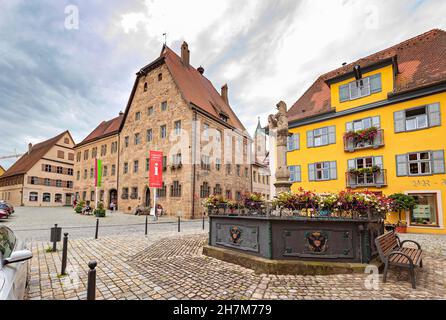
393,253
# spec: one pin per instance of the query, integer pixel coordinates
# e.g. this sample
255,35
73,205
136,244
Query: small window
71,156
58,198
164,106
160,76
419,163
66,141
137,116
175,189
113,170
94,152
59,170
47,168
33,197
47,182
59,183
126,167
126,141
135,166
177,126
149,135
105,171
163,131
91,173
46,197
416,119
145,87
149,111
86,155
137,138
147,164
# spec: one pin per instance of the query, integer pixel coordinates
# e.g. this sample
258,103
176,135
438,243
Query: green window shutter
351,164
379,177
292,173
298,174
376,122
399,118
311,172
401,165
378,161
438,161
331,135
333,171
344,94
351,180
434,114
349,126
296,141
375,83
310,139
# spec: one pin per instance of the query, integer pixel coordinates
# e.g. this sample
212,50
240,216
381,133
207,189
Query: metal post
55,239
91,284
64,253
97,229
203,220
179,224
147,218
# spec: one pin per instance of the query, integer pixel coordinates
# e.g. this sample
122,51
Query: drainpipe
117,173
194,146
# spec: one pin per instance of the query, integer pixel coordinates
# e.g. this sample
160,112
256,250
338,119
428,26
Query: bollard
97,229
91,284
147,218
203,221
179,224
55,239
64,253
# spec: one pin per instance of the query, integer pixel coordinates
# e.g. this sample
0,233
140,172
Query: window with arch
217,189
46,197
205,190
33,196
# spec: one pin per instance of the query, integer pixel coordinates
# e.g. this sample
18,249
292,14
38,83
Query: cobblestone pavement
168,266
33,224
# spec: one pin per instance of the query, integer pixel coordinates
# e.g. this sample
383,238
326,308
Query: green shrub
79,206
100,210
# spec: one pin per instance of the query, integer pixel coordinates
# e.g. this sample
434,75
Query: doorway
147,203
113,198
67,199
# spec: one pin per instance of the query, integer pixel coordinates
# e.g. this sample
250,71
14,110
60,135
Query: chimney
30,147
224,93
121,113
185,54
200,69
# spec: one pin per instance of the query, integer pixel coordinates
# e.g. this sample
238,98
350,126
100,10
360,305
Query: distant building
261,173
102,143
2,171
43,176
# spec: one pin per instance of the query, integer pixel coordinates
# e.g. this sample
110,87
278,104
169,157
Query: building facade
378,124
102,143
43,176
175,109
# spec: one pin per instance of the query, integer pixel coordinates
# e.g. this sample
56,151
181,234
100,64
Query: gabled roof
104,129
195,88
1,168
421,62
29,159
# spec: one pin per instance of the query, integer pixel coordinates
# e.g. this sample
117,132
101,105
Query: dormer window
360,88
223,117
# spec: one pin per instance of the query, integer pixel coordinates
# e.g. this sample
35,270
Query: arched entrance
147,201
113,198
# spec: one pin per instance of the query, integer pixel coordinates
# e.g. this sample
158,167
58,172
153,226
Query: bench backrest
386,243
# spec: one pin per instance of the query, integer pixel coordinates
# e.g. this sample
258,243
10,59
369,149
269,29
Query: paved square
168,266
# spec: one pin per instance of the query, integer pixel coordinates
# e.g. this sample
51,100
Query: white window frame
419,161
440,210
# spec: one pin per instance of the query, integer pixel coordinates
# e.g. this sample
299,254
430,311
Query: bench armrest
410,241
395,253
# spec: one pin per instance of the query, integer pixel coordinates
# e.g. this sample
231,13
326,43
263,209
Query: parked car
13,266
5,207
4,214
4,204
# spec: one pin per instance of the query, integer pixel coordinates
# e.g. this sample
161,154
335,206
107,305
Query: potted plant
100,210
79,206
402,202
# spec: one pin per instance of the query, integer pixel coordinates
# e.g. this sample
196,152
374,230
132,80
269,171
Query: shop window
425,212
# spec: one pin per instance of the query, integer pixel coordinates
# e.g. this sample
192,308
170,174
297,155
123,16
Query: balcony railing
351,144
360,180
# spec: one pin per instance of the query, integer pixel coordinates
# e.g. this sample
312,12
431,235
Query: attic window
160,77
145,87
223,117
362,88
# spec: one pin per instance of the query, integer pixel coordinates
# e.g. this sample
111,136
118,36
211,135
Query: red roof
105,129
197,89
421,62
29,159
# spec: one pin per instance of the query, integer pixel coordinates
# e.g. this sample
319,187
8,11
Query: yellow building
2,171
378,124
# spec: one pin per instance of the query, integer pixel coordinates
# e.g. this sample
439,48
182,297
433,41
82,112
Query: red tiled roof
197,89
104,129
421,62
28,160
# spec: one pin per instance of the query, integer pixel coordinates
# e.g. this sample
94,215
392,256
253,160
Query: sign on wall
156,169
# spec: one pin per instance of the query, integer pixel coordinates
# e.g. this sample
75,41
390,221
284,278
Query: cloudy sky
56,76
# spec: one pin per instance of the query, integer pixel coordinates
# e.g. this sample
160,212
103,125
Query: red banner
156,169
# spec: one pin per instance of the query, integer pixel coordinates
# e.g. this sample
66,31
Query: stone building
102,143
43,176
175,109
261,173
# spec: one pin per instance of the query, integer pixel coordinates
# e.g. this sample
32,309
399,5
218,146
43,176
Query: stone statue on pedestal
279,123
